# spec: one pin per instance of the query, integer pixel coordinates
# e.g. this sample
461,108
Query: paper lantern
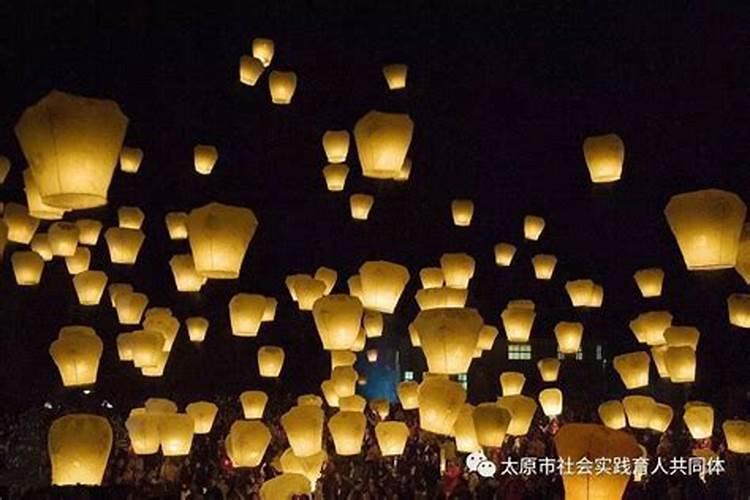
270,361
464,431
4,168
353,403
699,419
287,486
186,277
649,327
63,238
372,355
604,156
737,434
247,442
395,75
176,225
522,411
344,379
304,429
448,338
431,277
382,285
124,244
551,401
167,325
27,267
633,368
549,368
680,363
72,145
336,145
219,236
335,175
707,225
504,253
440,402
337,319
342,358
329,393
160,406
463,211
89,287
76,353
176,434
658,354
518,318
677,336
435,298
79,261
253,404
580,292
661,417
568,337
354,283
373,324
596,443
612,414
544,266
408,394
147,348
203,414
360,206
309,399
130,307
491,424
458,269
347,429
204,158
532,227
263,49
125,346
290,282
143,431
739,310
282,85
309,467
115,289
21,225
79,447
88,231
130,217
246,314
307,290
37,207
250,70
40,245
130,159
392,437
381,407
512,383
487,336
382,143
157,369
649,281
639,410
405,171
197,327
327,276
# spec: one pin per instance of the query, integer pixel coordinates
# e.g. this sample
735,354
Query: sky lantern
79,447
37,208
130,217
511,383
335,175
522,409
533,226
359,343
444,297
677,336
639,410
344,379
250,70
551,401
372,355
116,288
160,406
79,261
383,283
440,402
739,309
269,313
247,443
347,429
737,434
633,368
176,225
124,244
203,414
649,327
21,225
309,399
661,417
143,431
309,467
88,231
270,361
549,368
156,369
649,281
487,336
77,352
167,325
89,287
464,431
72,144
491,424
604,156
63,238
504,253
147,348
431,277
458,269
658,354
40,244
125,346
408,394
544,266
130,159
392,437
574,442
327,276
186,277
680,361
27,267
373,324
204,158
353,403
699,419
130,307
219,236
246,314
329,393
176,434
395,75
448,338
383,141
568,337
518,318
197,327
707,225
612,414
285,486
4,168
381,407
336,145
463,211
263,50
337,319
307,290
304,429
354,283
282,85
342,358
253,404
360,205
291,280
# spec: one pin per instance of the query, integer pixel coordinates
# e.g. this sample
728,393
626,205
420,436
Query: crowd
426,470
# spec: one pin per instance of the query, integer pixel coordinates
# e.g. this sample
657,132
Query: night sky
502,98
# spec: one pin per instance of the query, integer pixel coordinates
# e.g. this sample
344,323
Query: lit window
462,379
408,375
578,356
519,351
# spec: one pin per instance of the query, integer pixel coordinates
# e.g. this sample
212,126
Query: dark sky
502,96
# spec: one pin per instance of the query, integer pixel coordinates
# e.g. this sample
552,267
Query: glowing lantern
639,410
247,442
40,245
612,414
269,313
372,355
395,75
512,383
487,336
186,278
382,143
287,486
464,430
392,437
253,404
197,327
282,85
130,217
604,156
431,277
203,414
568,337
680,363
246,314
37,208
176,434
699,419
176,225
309,467
309,399
458,269
737,434
147,348
78,447
130,307
504,253
551,401
219,236
661,417
327,276
354,283
448,338
4,168
462,211
88,231
337,318
575,442
658,354
160,406
677,336
440,402
544,266
250,70
522,411
72,145
130,159
335,176
304,429
79,261
353,403
63,238
307,290
27,267
360,205
707,225
381,407
649,327
347,429
532,227
263,50
491,424
77,352
408,395
329,393
124,244
373,324
435,298
549,368
143,431
518,318
125,346
336,145
270,361
116,288
649,281
342,358
739,310
89,287
21,225
382,285
167,325
633,368
204,158
580,292
344,379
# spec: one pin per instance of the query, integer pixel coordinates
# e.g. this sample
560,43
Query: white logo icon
477,462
